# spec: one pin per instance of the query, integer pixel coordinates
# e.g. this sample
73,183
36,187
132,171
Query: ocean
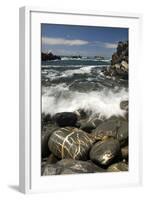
71,84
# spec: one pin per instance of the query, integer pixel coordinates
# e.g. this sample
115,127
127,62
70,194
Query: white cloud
105,45
62,41
110,45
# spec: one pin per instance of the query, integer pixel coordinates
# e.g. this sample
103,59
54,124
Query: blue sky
81,40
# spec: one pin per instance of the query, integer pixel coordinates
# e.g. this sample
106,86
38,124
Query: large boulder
116,128
70,143
66,119
107,129
103,152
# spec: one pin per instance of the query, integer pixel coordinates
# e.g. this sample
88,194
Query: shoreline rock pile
72,142
119,63
49,56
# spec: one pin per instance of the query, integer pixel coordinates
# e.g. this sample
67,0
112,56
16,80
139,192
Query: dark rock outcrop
119,62
49,56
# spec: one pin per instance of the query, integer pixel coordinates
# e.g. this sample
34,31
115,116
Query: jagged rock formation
49,56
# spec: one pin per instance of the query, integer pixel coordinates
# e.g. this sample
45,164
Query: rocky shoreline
79,142
72,142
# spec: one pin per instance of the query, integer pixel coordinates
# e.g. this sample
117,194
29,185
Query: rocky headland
119,62
49,56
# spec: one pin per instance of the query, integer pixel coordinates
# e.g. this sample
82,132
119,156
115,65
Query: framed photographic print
79,105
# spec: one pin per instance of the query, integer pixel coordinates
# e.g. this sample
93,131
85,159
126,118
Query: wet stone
124,152
70,143
122,134
51,169
87,126
124,105
118,167
52,159
79,166
107,129
46,133
103,152
65,119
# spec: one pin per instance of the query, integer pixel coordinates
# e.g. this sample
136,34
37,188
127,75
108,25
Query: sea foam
105,103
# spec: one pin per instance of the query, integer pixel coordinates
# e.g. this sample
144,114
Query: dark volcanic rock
70,143
118,167
79,166
66,119
52,159
96,121
45,119
122,134
51,169
50,56
44,145
113,128
124,105
124,151
46,132
87,126
106,129
104,152
81,113
119,62
70,166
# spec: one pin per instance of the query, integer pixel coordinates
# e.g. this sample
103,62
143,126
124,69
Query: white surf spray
104,103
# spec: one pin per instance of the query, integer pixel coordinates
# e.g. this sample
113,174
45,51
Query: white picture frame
29,160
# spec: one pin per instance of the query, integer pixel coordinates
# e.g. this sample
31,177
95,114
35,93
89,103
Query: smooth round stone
118,167
78,166
106,129
51,169
52,159
45,135
66,119
103,152
87,126
124,152
70,143
44,145
96,121
122,134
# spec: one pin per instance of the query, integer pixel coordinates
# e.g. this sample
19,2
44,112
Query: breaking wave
105,103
